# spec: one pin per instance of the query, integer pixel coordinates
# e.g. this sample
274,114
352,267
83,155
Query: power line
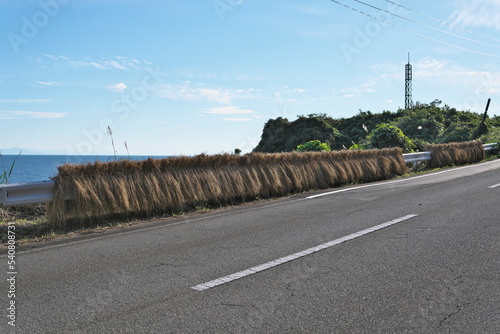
444,22
414,32
422,24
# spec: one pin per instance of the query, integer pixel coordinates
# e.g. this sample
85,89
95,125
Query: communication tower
408,100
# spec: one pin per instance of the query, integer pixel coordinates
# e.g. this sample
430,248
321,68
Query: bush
492,136
420,145
496,149
387,135
356,147
420,126
455,133
313,146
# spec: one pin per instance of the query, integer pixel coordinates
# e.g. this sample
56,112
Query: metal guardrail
489,147
43,192
26,193
416,157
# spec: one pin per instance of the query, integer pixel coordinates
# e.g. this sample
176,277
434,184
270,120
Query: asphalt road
435,270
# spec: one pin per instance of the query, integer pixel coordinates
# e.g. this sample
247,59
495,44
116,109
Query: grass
4,174
34,227
121,189
29,220
456,154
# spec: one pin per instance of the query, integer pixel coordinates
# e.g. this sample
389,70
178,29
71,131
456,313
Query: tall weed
4,174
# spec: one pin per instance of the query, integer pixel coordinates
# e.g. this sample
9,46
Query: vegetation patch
29,219
456,154
101,191
411,129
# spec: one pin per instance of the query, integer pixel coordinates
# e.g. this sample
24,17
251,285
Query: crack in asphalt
458,309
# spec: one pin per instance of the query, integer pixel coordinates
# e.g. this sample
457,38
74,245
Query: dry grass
28,220
455,154
167,186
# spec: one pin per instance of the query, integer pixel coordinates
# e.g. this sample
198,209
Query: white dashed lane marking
282,260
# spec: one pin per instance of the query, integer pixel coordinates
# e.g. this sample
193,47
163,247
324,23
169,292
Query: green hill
422,124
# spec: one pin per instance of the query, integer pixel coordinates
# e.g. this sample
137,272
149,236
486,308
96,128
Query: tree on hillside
280,135
420,125
424,123
305,129
274,136
455,133
387,135
352,129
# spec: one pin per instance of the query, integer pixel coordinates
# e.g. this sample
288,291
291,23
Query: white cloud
155,122
312,10
237,119
102,65
450,73
477,13
228,110
54,57
440,73
30,114
116,63
26,101
119,87
48,83
355,91
429,67
215,95
188,93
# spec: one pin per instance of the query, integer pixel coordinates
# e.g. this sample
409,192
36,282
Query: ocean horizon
34,168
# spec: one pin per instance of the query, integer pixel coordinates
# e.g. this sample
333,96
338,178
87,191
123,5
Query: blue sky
184,77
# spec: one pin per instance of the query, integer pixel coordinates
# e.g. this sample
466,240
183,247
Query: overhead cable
422,24
443,22
414,32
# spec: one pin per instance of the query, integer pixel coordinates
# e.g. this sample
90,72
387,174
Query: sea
34,168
